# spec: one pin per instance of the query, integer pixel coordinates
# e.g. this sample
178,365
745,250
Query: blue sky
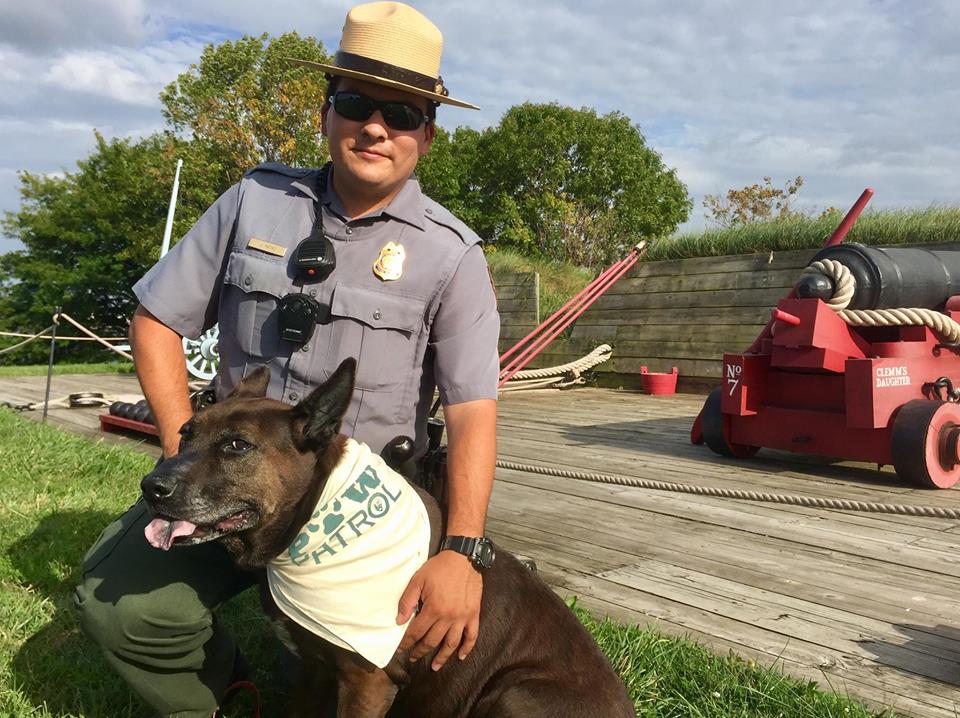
848,95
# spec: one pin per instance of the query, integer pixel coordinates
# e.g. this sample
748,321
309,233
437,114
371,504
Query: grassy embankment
57,491
558,282
936,225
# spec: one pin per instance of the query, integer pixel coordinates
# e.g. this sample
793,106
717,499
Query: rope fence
91,336
790,500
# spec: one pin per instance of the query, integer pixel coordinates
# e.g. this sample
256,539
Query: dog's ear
323,410
252,386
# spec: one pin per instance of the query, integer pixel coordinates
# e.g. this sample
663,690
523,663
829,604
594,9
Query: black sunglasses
397,115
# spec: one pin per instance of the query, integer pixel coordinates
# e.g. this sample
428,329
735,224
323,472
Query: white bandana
343,575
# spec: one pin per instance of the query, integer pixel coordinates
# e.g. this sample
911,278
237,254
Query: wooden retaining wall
683,313
518,301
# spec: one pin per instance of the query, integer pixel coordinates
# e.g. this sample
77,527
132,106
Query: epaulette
439,214
280,168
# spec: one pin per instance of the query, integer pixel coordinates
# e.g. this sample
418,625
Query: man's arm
162,371
448,585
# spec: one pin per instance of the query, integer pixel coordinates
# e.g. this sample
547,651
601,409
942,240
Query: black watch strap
460,544
478,549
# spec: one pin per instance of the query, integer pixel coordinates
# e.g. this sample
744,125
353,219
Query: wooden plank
709,319
712,299
515,279
757,262
935,698
526,292
827,578
868,603
782,279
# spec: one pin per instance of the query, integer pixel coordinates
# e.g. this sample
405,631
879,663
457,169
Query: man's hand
450,589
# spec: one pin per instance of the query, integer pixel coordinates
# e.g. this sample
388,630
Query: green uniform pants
151,612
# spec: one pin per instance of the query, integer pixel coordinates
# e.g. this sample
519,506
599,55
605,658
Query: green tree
759,202
89,235
446,173
244,103
570,185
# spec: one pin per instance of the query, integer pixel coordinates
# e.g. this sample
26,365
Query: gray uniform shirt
436,325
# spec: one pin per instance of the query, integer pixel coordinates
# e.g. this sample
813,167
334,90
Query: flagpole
165,247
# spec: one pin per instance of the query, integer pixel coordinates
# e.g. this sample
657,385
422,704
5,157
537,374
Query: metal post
53,344
168,229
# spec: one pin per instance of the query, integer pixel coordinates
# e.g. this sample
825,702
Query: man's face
370,158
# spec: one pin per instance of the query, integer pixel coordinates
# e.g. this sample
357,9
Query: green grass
936,225
558,282
41,369
59,491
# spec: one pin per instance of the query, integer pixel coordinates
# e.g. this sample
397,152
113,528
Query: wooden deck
867,604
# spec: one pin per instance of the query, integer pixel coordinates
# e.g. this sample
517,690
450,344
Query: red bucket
658,383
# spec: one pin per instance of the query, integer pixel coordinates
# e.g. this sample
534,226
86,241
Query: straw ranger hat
391,44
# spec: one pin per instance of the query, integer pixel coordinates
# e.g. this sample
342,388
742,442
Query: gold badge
389,264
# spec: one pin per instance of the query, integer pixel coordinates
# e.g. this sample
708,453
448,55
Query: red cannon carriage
861,362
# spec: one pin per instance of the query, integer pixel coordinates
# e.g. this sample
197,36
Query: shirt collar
407,206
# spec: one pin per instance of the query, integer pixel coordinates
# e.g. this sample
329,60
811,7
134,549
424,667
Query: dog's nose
158,486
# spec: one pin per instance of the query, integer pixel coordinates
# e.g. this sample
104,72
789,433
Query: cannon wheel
716,430
924,443
203,354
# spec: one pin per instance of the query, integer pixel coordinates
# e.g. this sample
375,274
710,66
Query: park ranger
303,268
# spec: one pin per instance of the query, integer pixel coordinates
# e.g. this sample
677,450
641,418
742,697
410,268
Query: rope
597,356
86,331
558,377
790,500
63,339
56,321
77,400
548,383
846,286
33,337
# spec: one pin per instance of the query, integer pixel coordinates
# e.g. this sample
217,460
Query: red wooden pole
603,275
544,339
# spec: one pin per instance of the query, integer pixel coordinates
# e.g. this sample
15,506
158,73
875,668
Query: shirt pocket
380,330
249,310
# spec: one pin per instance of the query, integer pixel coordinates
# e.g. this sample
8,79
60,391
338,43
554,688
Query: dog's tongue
161,533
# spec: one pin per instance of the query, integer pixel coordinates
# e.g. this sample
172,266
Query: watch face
484,554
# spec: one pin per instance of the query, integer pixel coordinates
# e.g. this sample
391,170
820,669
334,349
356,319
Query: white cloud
847,95
104,74
55,24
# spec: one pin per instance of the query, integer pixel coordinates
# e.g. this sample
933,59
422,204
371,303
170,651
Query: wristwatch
479,550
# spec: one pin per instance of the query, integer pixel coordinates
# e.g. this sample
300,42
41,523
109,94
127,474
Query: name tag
268,247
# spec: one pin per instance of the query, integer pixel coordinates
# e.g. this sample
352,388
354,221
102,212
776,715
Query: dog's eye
237,446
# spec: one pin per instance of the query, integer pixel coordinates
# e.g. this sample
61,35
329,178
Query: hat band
358,63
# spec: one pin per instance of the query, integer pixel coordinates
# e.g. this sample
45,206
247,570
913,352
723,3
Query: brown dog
250,472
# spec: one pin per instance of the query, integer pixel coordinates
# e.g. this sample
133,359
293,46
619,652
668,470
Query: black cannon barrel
891,277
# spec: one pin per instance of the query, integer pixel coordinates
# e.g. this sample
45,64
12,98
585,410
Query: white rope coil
846,285
558,377
843,280
939,323
597,356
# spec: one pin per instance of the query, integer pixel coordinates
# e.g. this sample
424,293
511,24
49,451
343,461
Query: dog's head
249,469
